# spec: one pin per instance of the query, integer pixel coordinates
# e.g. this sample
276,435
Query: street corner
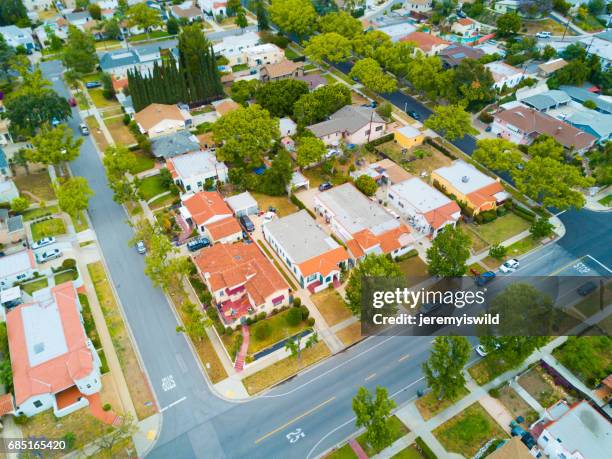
231,389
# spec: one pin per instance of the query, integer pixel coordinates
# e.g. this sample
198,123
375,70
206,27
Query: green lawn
38,212
523,246
290,54
490,367
280,329
281,203
99,100
346,452
163,201
149,36
501,228
588,357
45,228
467,432
37,183
96,76
398,430
409,453
144,162
66,276
150,187
80,224
607,201
414,267
239,67
35,285
429,405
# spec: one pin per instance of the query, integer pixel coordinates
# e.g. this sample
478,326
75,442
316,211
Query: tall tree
244,90
241,19
310,150
452,121
13,12
499,155
295,345
508,24
396,58
329,46
276,178
80,51
294,16
425,73
6,59
262,16
172,26
319,104
95,11
279,97
342,23
444,368
118,160
472,83
369,43
53,146
73,196
110,28
449,253
373,414
369,72
546,146
162,265
143,17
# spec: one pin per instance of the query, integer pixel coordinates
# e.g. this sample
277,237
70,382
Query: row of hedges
374,143
524,213
437,145
411,254
294,199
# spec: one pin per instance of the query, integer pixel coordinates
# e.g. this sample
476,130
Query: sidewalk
508,242
593,204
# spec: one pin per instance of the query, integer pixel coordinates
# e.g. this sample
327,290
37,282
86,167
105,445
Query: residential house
408,136
193,170
504,75
160,119
11,228
298,181
453,54
312,256
351,124
265,54
58,27
281,71
506,6
16,267
595,123
523,125
603,104
242,281
577,432
547,100
141,58
600,46
5,170
214,7
313,80
363,224
398,31
17,36
188,11
77,18
465,27
546,69
171,145
511,449
420,6
208,212
8,190
243,204
55,364
478,191
384,172
234,47
224,106
287,127
426,209
426,43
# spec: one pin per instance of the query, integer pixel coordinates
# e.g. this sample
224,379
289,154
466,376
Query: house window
379,128
89,386
544,437
188,187
37,403
400,204
311,277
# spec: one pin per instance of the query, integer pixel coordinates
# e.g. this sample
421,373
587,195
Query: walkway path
357,449
239,365
592,202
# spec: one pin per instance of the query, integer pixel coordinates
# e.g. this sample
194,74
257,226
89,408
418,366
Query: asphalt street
303,417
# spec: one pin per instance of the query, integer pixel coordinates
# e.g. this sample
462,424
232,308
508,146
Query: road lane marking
176,402
370,377
562,212
403,357
566,266
297,418
600,264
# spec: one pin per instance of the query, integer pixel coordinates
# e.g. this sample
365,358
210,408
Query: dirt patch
331,306
429,405
540,386
515,404
350,334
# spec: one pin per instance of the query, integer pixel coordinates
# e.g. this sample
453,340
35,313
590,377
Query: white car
543,34
45,241
48,255
140,247
509,266
482,351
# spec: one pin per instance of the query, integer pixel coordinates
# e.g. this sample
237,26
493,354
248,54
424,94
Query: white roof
298,179
286,125
409,131
16,263
263,49
241,201
464,177
233,41
398,31
44,332
10,294
197,163
501,70
602,48
421,195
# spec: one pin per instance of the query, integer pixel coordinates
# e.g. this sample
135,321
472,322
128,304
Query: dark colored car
325,186
247,224
93,84
72,102
414,115
197,244
485,278
586,289
428,308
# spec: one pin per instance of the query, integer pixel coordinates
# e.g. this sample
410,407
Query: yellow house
409,137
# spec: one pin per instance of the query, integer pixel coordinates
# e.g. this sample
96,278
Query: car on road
198,244
543,34
325,186
140,246
428,308
414,115
48,255
485,278
84,129
509,266
246,223
587,289
93,84
45,241
72,102
483,351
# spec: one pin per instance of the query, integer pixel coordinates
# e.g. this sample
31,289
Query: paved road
198,424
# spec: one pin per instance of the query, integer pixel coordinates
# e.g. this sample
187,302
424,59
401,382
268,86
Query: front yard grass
291,54
80,223
279,330
285,368
151,35
345,452
525,245
99,100
45,228
281,203
468,431
429,405
162,202
66,276
501,228
414,267
606,201
144,162
138,385
31,287
516,405
37,183
33,214
350,334
398,430
588,357
119,131
490,367
478,243
331,306
545,25
149,187
432,159
409,453
97,134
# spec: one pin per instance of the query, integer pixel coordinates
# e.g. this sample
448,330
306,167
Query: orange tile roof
388,241
223,228
204,205
355,248
425,41
60,372
6,404
324,263
149,116
437,217
231,265
226,106
465,21
485,194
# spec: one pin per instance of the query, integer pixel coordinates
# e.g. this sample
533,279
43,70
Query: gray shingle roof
121,58
580,95
547,99
350,118
171,145
600,124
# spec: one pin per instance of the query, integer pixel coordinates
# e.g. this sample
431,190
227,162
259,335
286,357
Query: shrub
236,345
485,117
227,331
106,407
297,302
69,263
21,420
411,254
311,321
305,312
494,392
366,184
70,439
294,317
261,315
541,228
486,216
498,251
424,449
262,331
126,119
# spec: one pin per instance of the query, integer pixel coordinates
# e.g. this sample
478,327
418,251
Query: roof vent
465,179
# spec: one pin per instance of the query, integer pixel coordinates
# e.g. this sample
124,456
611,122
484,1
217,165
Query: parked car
325,186
197,244
428,308
483,351
141,247
543,34
509,266
72,102
84,129
45,241
485,278
461,14
48,255
587,289
93,84
247,224
414,115
55,122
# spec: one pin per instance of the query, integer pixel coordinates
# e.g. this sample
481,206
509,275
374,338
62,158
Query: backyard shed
243,204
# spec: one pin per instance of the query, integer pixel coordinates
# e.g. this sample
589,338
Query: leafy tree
6,59
278,97
233,6
110,28
498,251
73,196
596,7
444,368
6,373
143,17
196,322
310,150
13,12
244,90
371,266
162,265
80,51
396,58
108,91
81,5
246,133
541,227
449,253
366,184
95,11
19,205
385,110
549,52
369,72
118,160
295,345
590,104
497,154
472,83
276,178
172,26
424,73
452,121
373,414
111,444
262,16
52,146
368,44
546,146
342,23
574,51
574,73
241,19
561,6
552,183
508,24
320,103
329,46
587,357
294,16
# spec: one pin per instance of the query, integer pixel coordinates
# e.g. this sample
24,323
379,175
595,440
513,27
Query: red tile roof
60,372
6,404
205,205
485,194
437,217
388,241
324,263
425,41
223,228
465,21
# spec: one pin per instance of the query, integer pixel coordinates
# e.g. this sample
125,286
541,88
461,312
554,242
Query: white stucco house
192,170
16,267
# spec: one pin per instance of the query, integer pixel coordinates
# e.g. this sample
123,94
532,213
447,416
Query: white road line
562,212
600,264
176,402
